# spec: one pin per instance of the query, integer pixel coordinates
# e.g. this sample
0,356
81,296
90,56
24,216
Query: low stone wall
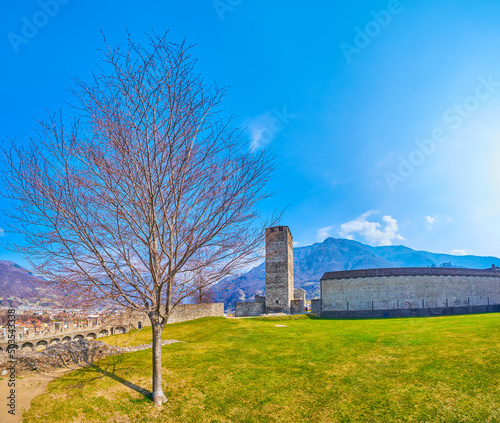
80,352
185,312
416,312
316,306
249,309
296,306
182,313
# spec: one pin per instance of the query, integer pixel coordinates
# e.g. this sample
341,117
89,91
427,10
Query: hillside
20,287
311,262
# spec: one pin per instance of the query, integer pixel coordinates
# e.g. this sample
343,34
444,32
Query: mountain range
311,262
19,287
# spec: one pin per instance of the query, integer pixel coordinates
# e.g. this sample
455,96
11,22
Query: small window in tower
281,229
272,229
277,302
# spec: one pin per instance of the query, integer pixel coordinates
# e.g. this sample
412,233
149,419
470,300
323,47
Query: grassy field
444,369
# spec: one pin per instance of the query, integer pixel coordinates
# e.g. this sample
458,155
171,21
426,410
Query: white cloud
372,232
459,252
323,233
261,130
431,220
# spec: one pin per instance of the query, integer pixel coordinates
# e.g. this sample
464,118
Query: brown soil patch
27,387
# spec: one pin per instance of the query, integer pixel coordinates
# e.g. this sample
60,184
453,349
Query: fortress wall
185,312
182,313
249,309
409,292
296,306
260,298
415,312
316,306
121,324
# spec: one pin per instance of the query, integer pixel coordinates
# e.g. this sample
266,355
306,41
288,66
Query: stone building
300,294
280,294
401,292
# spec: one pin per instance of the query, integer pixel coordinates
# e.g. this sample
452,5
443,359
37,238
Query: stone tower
279,269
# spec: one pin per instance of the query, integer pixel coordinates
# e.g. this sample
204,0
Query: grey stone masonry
185,312
316,306
416,312
409,292
81,352
296,306
249,309
300,294
279,269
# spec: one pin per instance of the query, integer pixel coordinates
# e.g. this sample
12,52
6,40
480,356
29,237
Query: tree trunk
158,396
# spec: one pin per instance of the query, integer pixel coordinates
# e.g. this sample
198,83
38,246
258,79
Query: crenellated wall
117,325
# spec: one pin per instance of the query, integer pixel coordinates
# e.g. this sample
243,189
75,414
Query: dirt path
33,384
27,388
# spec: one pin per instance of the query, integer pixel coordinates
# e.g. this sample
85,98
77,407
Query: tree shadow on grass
142,391
90,372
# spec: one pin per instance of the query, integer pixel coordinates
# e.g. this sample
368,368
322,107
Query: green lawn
443,369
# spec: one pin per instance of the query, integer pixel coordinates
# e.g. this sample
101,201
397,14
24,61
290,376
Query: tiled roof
412,271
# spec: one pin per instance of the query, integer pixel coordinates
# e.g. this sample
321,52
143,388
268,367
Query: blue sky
385,114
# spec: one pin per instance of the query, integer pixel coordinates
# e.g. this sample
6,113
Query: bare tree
202,292
146,189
